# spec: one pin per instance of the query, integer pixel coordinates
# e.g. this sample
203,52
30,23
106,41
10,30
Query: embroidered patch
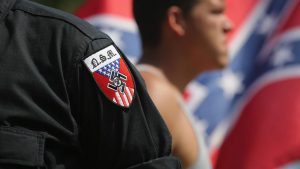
112,75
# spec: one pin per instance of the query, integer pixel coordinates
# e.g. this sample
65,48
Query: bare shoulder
166,98
162,92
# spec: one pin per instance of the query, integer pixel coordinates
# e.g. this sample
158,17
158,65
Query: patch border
122,57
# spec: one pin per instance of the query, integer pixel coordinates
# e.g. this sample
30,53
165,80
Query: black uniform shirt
52,112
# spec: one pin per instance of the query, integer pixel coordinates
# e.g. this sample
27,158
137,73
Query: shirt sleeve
115,135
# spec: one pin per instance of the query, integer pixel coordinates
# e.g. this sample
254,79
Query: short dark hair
149,15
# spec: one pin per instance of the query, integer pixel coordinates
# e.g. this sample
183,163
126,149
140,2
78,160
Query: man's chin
223,60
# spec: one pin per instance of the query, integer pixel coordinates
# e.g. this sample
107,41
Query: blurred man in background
180,40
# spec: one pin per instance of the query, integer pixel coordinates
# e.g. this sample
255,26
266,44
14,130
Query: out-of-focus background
113,17
249,112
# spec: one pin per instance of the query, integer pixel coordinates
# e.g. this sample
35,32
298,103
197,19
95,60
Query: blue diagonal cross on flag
250,111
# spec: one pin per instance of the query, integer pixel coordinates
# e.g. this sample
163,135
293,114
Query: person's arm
166,98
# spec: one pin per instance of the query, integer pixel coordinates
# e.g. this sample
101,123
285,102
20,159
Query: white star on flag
231,83
197,93
282,56
266,24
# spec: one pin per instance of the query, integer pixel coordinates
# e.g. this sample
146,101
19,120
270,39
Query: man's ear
175,20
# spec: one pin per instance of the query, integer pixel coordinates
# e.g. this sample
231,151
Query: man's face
206,35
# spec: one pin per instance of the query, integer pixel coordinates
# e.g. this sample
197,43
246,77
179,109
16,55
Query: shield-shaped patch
112,75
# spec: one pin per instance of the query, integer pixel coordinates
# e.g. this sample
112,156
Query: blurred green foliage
65,5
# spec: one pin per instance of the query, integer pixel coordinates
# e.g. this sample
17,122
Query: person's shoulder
160,88
48,13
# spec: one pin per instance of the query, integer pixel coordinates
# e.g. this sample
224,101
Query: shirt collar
5,6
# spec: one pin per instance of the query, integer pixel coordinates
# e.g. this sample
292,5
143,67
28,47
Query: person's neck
171,62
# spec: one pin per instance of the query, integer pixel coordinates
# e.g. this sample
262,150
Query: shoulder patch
112,75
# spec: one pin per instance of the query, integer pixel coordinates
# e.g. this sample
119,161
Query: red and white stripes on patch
124,99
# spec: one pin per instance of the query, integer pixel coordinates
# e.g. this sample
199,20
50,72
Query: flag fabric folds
250,112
